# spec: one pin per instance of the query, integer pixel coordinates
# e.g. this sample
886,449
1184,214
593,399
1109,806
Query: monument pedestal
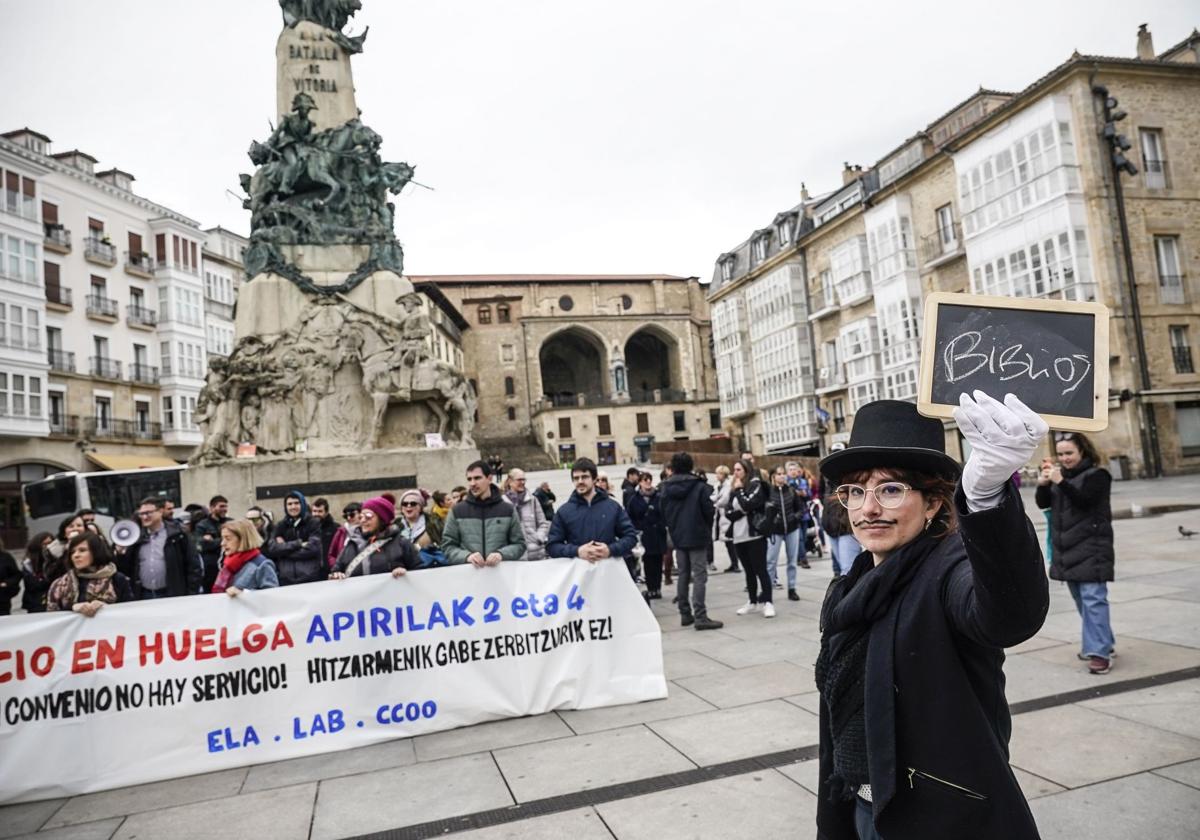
348,478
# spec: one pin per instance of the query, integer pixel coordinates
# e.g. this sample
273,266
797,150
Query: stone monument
331,384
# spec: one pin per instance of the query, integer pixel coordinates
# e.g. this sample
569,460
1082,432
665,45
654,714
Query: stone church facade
587,365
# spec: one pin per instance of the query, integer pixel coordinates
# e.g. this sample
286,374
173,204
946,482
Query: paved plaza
731,752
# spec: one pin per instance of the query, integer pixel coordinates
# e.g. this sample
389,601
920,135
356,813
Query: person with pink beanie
377,546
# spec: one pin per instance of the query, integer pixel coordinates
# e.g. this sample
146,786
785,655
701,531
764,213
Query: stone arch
652,362
573,362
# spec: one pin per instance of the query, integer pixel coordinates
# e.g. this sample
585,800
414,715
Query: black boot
792,596
703,622
686,619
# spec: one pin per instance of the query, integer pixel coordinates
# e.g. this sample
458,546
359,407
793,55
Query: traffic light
1119,143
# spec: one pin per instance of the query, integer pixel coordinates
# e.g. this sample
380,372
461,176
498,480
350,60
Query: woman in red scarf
243,566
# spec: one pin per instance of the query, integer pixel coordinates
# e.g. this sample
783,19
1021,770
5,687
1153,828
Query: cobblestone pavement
729,753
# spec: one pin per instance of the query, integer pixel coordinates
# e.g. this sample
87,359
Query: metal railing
104,367
139,262
822,300
61,360
145,374
58,294
64,425
1182,356
99,250
1170,288
136,315
1156,175
57,236
99,305
941,243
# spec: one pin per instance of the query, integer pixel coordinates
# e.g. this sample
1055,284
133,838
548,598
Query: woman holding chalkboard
1076,491
914,725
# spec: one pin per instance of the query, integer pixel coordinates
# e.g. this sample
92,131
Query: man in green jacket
483,528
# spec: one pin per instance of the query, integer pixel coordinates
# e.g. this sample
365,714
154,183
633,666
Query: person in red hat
377,546
914,725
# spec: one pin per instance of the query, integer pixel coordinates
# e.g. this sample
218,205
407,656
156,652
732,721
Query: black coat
646,514
935,704
835,519
328,528
547,500
396,551
752,500
210,549
10,577
785,510
184,570
1080,524
298,557
688,509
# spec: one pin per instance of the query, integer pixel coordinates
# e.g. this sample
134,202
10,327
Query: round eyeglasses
889,495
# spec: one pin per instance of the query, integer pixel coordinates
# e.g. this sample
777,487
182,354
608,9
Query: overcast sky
560,136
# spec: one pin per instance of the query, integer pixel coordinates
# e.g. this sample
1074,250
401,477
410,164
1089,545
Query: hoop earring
928,522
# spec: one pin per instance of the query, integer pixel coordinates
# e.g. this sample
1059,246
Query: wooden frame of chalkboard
1053,354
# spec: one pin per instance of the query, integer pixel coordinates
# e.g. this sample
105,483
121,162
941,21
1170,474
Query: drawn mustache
863,522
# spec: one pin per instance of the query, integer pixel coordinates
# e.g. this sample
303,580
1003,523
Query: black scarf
855,602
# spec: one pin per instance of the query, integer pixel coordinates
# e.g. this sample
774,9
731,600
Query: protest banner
1052,354
160,689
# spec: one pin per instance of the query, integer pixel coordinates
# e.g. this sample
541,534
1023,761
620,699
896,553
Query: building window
485,314
566,453
1154,158
760,249
606,453
168,412
564,427
512,413
565,303
20,395
58,416
1187,420
142,416
784,231
947,231
503,314
680,421
1170,275
643,423
19,260
626,302
839,415
102,412
604,424
510,386
1181,350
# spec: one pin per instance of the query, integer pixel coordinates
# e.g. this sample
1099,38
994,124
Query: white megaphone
124,532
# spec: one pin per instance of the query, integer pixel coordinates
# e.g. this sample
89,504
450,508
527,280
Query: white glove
1003,437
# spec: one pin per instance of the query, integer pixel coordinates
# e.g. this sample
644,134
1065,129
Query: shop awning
130,462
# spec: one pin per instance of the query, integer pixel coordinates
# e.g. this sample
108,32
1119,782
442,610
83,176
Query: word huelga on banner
167,688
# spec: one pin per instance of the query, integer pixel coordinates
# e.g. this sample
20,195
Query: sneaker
654,594
792,596
712,567
705,623
1083,657
803,563
750,607
778,585
686,620
732,570
1099,665
768,610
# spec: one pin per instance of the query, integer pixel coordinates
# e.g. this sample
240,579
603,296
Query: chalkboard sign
1052,354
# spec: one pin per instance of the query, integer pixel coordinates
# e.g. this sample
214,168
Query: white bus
113,494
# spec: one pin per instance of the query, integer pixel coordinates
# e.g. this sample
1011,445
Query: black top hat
890,433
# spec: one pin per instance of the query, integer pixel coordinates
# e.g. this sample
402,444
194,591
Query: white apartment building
107,289
223,277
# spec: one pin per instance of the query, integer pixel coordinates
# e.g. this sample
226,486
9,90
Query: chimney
1145,49
803,192
848,173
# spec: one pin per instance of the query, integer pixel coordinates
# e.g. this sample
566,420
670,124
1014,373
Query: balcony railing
1170,288
106,428
140,316
61,360
102,306
139,263
64,425
58,239
1157,174
823,302
1182,357
104,367
220,310
944,242
145,374
97,250
59,295
145,430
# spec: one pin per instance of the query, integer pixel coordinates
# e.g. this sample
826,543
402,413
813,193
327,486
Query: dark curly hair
933,487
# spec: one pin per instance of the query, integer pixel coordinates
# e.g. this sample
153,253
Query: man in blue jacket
590,525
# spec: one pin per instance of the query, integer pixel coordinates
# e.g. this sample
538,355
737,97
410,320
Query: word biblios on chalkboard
1051,354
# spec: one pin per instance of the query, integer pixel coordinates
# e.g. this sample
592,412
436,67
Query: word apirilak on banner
1052,354
163,692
